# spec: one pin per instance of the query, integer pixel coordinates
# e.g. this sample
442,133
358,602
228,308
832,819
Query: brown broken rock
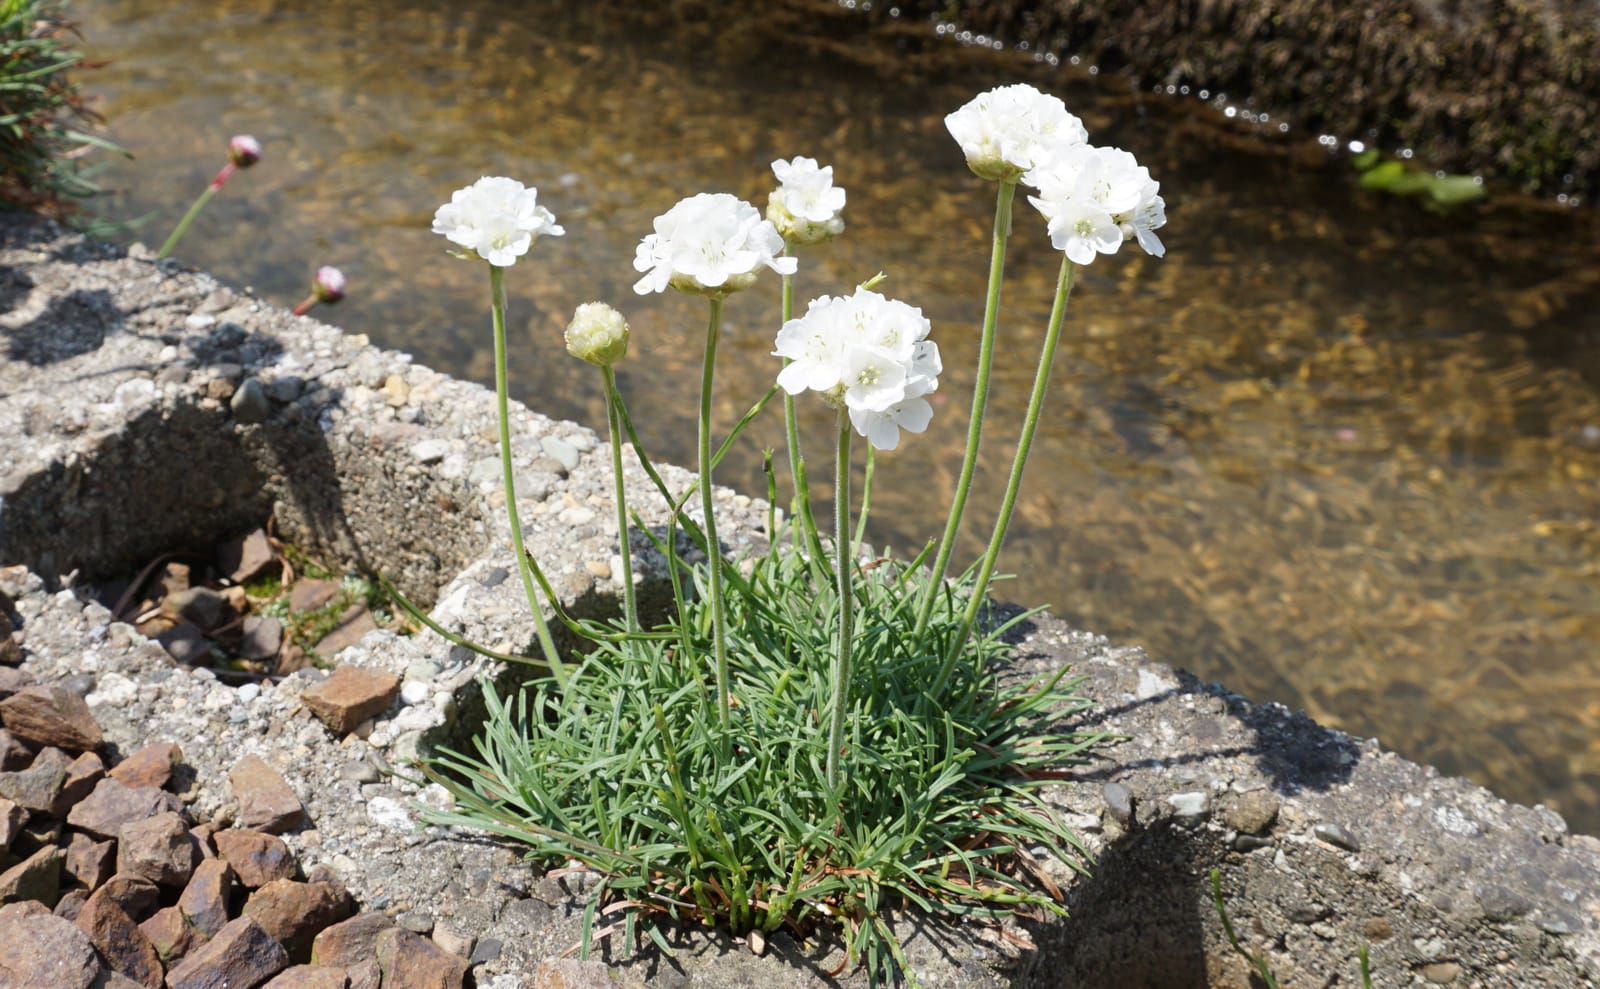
242,954
37,877
204,901
150,766
266,803
411,960
13,754
120,941
112,804
51,715
90,862
349,942
257,858
44,950
170,934
159,849
243,558
355,622
309,977
350,696
138,897
83,774
295,913
37,787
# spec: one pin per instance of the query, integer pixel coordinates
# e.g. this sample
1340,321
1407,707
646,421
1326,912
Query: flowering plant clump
814,737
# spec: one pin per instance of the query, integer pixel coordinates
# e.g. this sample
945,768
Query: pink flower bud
328,285
244,150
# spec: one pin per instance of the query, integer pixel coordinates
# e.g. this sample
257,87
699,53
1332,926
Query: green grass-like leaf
625,773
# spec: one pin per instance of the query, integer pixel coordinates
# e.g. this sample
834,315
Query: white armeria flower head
497,218
867,354
805,206
1095,199
1008,130
710,244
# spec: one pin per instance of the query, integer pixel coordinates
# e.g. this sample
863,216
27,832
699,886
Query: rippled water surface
1333,450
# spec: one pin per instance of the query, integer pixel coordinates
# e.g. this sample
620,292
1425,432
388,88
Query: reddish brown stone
12,680
13,754
70,904
51,715
170,934
265,801
257,858
90,862
310,977
150,766
40,950
350,696
354,623
37,787
111,805
20,909
120,942
138,897
10,652
12,818
411,960
242,954
204,901
37,877
158,848
246,556
309,594
295,913
83,774
349,942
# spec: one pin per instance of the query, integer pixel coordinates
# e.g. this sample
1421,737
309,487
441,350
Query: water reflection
1332,450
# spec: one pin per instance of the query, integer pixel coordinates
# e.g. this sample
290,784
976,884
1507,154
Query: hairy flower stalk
243,151
980,400
599,335
1008,503
843,566
497,291
498,219
719,640
710,244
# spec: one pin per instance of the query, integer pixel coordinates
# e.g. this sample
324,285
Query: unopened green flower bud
597,334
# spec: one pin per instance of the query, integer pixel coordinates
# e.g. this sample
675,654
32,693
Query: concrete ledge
120,444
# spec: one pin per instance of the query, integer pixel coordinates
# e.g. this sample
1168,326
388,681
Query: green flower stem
497,291
1041,381
791,427
188,219
713,547
842,567
630,606
980,399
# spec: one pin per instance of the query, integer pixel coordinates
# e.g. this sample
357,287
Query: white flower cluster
866,354
1094,199
496,217
710,244
1009,130
805,206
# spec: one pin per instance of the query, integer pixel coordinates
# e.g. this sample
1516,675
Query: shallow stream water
1332,450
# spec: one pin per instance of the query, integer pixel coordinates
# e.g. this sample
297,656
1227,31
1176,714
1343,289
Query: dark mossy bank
1503,88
